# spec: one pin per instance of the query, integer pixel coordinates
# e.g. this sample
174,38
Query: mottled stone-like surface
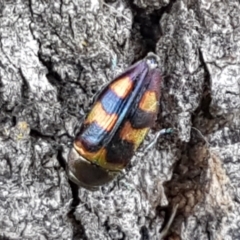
56,55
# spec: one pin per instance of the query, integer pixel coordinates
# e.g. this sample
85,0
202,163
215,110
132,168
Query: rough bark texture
54,57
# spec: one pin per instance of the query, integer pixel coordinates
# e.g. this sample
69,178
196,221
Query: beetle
117,124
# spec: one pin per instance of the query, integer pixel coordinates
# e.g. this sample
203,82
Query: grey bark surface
55,56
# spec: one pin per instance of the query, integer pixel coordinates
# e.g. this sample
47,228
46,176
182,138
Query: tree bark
55,56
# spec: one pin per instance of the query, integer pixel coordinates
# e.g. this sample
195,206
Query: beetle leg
161,132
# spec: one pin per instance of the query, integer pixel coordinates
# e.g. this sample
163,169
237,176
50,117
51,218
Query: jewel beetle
118,122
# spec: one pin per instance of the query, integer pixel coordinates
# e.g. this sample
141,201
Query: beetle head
85,174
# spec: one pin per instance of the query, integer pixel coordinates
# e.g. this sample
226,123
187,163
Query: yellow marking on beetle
149,102
130,134
101,117
91,156
98,157
122,87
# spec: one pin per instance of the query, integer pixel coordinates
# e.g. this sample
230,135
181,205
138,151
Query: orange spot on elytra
130,134
121,87
101,117
149,102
